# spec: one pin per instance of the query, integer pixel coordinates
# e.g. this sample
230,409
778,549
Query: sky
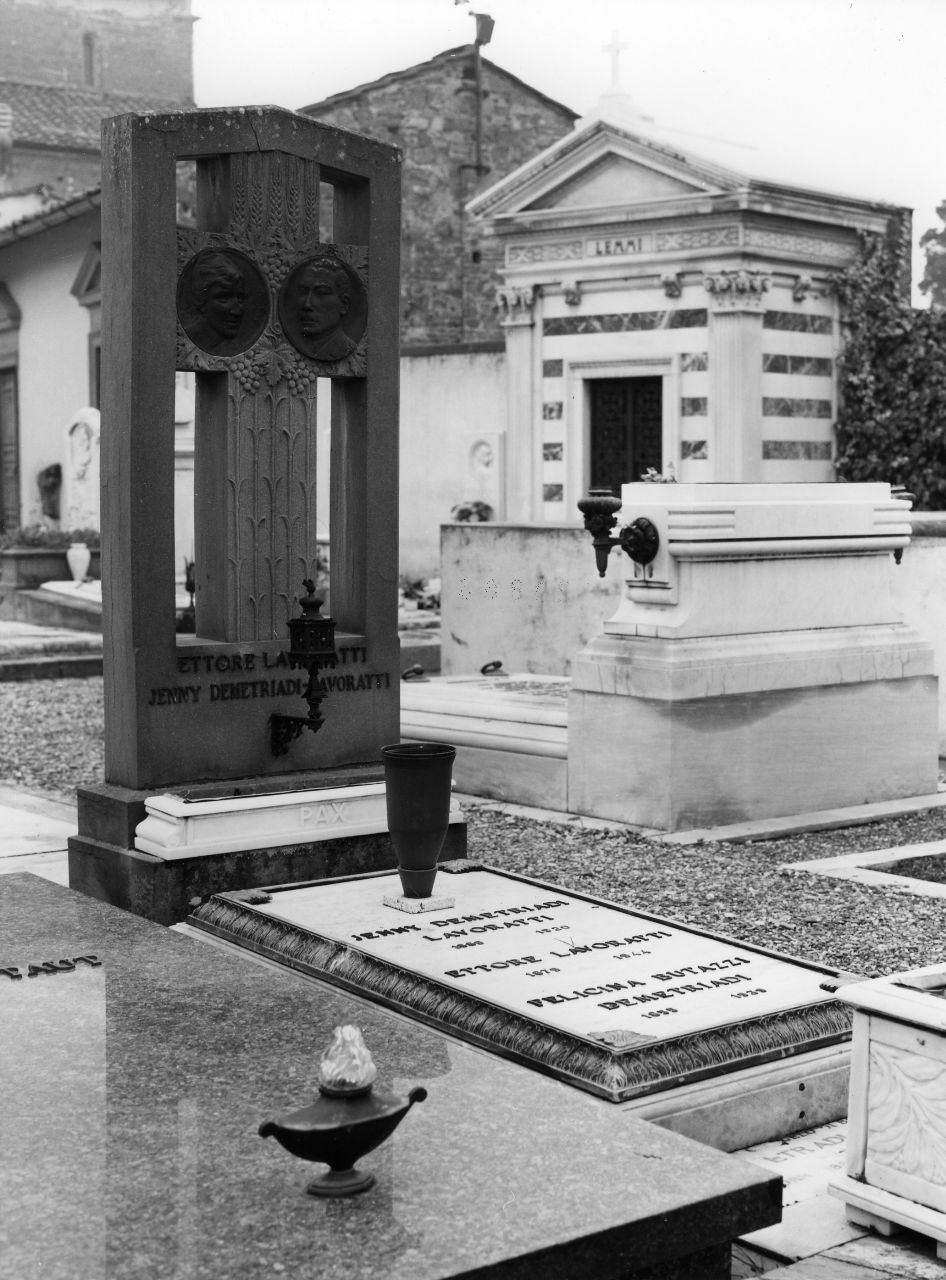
846,96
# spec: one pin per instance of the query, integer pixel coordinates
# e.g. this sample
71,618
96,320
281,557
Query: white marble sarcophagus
756,666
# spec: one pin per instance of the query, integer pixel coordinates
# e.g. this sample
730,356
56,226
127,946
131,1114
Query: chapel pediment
614,179
601,165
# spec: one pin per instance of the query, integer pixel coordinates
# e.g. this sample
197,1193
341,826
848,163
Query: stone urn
78,557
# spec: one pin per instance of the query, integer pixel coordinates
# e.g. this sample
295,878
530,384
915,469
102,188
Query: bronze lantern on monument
639,540
311,647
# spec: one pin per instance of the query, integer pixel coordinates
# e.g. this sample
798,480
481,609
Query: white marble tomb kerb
175,828
580,967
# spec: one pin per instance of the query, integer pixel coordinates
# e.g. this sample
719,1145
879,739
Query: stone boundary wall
526,595
530,597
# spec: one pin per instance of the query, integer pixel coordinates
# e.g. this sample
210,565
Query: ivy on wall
891,422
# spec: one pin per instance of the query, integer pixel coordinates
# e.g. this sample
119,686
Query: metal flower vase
417,779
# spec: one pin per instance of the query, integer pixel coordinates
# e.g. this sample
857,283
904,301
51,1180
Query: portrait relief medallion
323,308
222,301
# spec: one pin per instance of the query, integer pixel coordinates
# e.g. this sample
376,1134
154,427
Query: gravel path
51,740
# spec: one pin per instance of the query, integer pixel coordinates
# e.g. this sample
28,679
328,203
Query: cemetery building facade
579,303
65,65
663,313
460,122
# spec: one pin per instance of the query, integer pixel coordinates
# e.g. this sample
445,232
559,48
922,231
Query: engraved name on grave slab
619,1002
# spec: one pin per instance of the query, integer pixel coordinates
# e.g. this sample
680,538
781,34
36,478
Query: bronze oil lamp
311,647
347,1121
639,539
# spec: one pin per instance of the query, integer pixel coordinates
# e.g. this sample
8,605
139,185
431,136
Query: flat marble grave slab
617,1002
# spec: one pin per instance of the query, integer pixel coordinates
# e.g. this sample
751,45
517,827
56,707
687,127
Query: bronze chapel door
626,435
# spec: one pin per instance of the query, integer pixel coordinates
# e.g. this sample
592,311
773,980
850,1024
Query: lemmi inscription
322,308
617,246
222,301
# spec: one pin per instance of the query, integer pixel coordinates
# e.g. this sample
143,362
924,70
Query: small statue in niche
322,308
222,301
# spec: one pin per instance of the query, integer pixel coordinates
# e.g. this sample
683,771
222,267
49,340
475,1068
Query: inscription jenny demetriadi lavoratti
236,677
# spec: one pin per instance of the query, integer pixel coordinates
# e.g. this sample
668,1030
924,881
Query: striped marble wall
798,396
654,335
673,339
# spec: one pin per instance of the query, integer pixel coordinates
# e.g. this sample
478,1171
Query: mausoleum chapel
663,313
486,944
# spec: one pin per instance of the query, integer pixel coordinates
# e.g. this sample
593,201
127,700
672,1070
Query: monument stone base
731,729
156,855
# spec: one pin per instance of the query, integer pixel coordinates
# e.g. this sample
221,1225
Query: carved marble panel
906,1107
558,251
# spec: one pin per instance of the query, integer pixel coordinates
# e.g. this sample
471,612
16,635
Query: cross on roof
614,48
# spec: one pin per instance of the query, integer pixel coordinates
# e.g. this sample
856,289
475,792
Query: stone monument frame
203,739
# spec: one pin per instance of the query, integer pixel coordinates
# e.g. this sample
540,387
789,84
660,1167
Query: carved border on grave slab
619,1072
270,357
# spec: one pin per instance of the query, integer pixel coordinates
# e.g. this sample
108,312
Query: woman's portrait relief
222,301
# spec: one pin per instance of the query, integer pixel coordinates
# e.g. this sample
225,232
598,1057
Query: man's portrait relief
222,301
322,308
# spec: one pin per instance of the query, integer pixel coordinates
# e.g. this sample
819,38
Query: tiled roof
61,211
68,115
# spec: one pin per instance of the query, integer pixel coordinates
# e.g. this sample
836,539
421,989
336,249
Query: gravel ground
51,740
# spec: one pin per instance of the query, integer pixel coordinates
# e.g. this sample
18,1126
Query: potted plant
34,554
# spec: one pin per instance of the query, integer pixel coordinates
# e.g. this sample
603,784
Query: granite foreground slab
133,1090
